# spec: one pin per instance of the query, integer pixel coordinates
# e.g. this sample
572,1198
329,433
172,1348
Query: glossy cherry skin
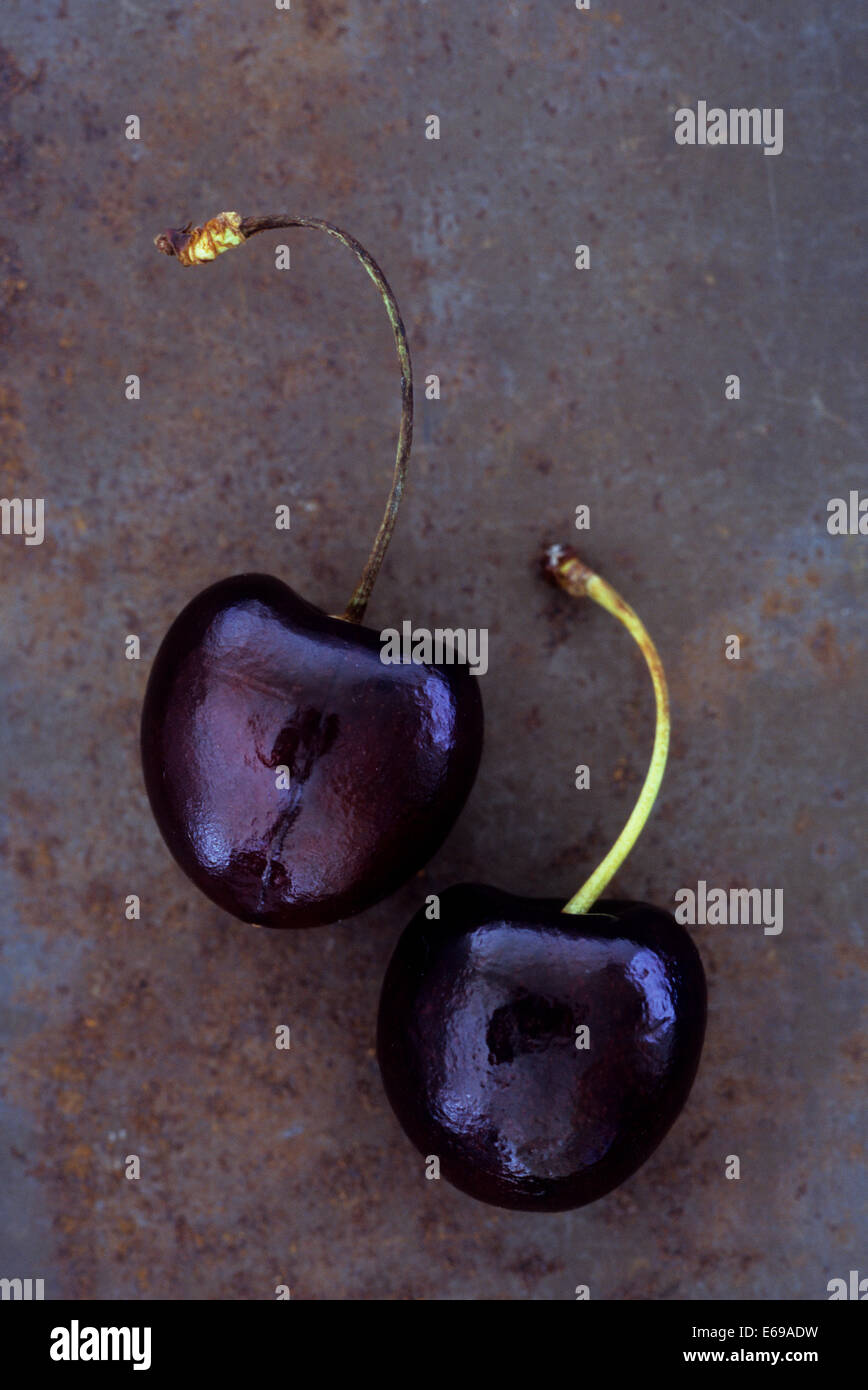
477,1042
251,679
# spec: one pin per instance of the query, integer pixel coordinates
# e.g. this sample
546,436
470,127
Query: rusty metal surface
603,387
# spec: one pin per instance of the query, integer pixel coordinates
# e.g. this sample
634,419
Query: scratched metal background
558,387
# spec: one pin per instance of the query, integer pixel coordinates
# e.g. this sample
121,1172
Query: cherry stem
195,245
563,566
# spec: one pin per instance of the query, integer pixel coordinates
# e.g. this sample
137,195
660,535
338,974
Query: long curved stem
195,245
564,567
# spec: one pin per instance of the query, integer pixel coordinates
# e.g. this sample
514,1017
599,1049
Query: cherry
478,1042
295,777
543,1052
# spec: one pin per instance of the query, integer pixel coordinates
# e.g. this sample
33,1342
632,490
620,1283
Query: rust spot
775,605
13,82
533,720
12,282
855,1049
824,647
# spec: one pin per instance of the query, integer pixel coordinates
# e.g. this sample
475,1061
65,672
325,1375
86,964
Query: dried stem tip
194,245
563,567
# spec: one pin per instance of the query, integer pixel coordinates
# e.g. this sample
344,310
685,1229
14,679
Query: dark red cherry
477,1042
251,679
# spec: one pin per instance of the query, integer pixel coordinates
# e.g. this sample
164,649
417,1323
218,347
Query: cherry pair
540,1052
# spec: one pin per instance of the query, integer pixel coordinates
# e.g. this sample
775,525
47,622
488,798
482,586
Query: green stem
565,568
